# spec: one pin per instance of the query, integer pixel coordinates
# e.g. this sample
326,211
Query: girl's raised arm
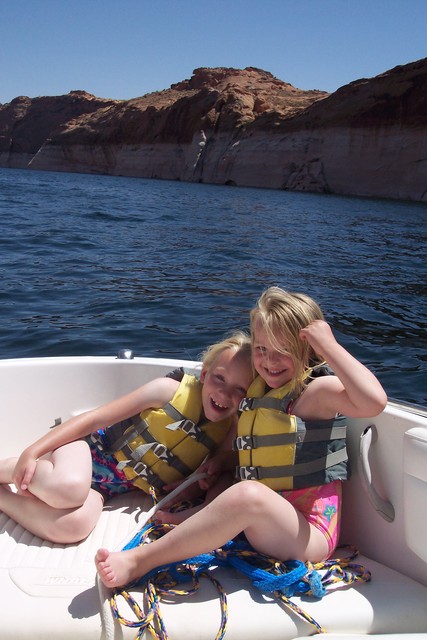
355,392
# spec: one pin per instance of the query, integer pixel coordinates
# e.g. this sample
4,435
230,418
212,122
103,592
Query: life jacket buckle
97,440
140,469
246,404
243,443
189,427
161,451
248,473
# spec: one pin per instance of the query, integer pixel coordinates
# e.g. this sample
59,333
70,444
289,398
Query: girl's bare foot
119,567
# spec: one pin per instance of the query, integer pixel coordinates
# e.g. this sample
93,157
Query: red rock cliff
243,127
26,123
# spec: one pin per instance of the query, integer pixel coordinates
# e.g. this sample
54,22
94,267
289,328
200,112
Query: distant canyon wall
388,162
246,128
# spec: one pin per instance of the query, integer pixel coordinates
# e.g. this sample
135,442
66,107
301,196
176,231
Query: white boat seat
52,588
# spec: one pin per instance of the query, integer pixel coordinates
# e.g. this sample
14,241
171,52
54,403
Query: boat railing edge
411,407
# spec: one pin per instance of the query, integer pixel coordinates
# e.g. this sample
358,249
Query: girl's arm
223,459
154,394
353,391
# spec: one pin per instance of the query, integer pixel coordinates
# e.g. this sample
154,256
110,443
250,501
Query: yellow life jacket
283,451
160,446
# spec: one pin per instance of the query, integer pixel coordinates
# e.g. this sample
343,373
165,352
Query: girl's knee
249,495
64,481
77,524
70,494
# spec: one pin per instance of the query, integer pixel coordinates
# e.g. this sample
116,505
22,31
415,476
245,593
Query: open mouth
217,406
274,373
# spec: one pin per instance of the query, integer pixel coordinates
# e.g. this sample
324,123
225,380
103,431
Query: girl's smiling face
275,367
225,384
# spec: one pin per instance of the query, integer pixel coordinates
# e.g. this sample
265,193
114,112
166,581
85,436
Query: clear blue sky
125,48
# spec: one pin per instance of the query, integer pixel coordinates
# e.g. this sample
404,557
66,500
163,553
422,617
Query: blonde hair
282,315
239,341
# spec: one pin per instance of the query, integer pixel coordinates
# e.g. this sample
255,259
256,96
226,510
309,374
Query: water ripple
91,264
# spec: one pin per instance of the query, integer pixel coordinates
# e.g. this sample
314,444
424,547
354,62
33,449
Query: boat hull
55,585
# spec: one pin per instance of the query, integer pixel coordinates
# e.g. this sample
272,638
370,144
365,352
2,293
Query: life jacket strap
191,428
250,404
143,472
136,427
245,443
300,469
159,450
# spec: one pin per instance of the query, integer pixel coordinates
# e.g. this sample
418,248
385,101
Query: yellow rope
162,584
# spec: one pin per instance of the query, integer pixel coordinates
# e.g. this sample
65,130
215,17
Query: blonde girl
289,337
62,481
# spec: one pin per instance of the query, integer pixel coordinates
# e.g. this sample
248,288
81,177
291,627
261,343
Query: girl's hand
24,472
353,390
213,468
319,336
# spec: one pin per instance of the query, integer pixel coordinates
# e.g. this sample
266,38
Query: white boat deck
49,591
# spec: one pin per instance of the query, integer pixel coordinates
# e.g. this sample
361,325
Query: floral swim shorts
107,479
321,506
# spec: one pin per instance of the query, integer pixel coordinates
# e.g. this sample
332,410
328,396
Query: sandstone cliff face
27,123
368,138
242,127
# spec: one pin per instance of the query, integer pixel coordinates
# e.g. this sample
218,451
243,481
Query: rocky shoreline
240,127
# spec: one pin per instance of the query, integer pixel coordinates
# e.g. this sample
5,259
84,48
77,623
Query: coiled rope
282,580
109,621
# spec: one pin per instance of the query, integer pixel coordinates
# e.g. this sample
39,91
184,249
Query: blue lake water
92,264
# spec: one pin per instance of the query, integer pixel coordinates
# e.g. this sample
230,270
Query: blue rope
295,580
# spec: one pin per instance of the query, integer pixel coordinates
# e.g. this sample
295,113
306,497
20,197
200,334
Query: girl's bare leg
59,505
7,466
62,526
62,478
271,525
